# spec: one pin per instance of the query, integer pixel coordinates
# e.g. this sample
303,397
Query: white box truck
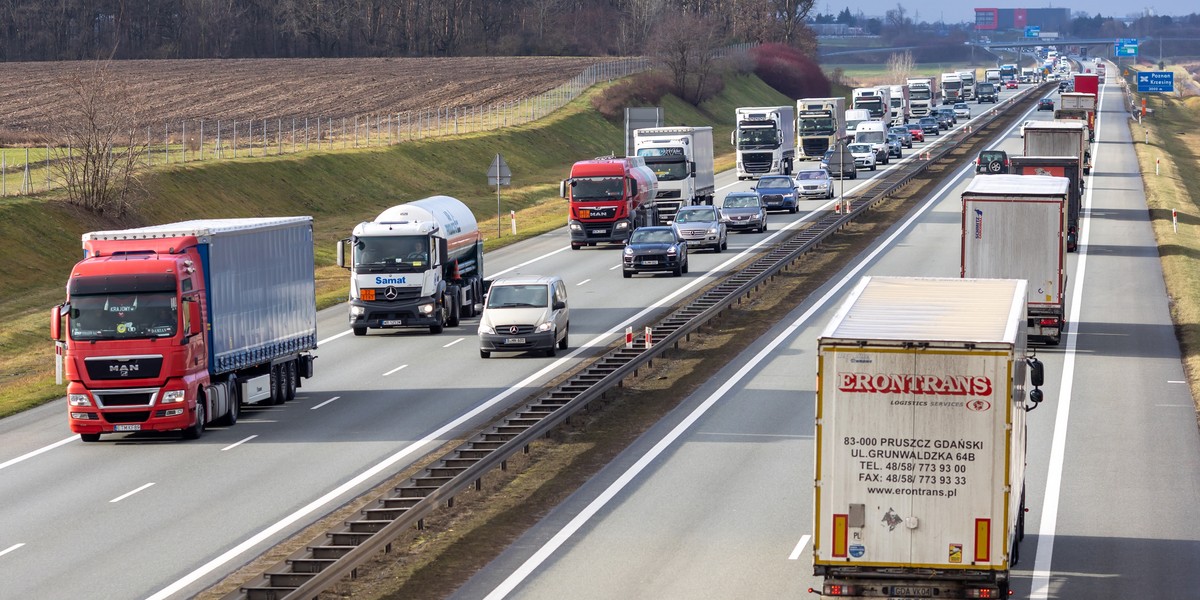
922,96
951,88
682,158
1059,138
820,125
900,109
765,139
920,428
1015,226
992,76
967,78
876,100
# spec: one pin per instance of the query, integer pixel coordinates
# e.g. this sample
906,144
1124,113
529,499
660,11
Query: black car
992,162
651,249
1045,104
930,125
987,92
945,117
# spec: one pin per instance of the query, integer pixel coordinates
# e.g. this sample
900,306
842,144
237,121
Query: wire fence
29,170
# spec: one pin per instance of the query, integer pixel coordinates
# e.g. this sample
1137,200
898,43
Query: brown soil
172,90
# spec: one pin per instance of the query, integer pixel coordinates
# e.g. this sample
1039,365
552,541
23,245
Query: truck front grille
137,416
815,146
108,399
756,162
123,367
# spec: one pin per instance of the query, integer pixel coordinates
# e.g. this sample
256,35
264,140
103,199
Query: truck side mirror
733,138
633,191
1037,373
195,324
56,323
341,253
692,164
562,189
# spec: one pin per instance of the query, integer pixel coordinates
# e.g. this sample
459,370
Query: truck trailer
682,161
1015,226
418,264
171,327
1078,107
923,385
765,139
1059,138
1058,166
607,198
820,125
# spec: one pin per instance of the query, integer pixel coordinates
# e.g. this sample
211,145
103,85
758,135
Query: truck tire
278,385
291,379
197,429
452,308
89,437
230,418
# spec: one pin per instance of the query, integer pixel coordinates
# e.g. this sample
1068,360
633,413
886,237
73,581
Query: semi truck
682,161
607,198
172,327
820,125
951,88
418,264
1014,226
992,76
1008,71
765,139
1080,107
1059,138
967,78
923,386
1058,166
875,100
900,109
922,96
854,117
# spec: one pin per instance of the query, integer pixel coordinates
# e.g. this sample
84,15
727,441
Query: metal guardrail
319,566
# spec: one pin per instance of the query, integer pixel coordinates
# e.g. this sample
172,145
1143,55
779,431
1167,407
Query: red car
918,134
1011,84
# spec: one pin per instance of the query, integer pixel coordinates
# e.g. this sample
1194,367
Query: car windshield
652,236
809,175
117,316
700,215
742,201
774,182
961,106
518,296
860,147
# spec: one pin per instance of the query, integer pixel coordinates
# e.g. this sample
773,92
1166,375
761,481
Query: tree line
33,30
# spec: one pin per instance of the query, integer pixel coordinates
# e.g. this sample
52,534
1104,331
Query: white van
524,313
874,133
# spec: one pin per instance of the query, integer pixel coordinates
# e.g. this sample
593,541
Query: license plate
649,262
127,427
393,322
598,231
911,590
514,340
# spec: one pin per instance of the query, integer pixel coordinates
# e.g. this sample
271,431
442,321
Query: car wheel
685,264
485,354
678,272
89,437
793,210
575,246
562,344
551,351
872,167
626,274
995,166
725,242
360,331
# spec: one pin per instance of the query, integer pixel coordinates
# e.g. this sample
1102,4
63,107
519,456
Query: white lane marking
236,444
1175,381
454,342
336,397
11,548
1175,405
615,267
128,494
28,455
584,281
334,337
543,553
394,370
528,262
799,549
1040,587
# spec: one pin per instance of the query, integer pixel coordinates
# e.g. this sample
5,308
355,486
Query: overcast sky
952,11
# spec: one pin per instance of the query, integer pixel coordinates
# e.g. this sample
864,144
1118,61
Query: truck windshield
816,125
918,94
391,254
117,316
668,168
597,188
757,138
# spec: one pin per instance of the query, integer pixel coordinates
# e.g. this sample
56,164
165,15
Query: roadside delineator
629,337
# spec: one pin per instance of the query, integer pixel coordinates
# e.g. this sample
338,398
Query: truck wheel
435,329
360,330
292,377
230,418
89,437
278,385
451,300
197,428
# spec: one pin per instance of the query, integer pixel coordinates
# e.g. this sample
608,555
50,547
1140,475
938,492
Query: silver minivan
524,313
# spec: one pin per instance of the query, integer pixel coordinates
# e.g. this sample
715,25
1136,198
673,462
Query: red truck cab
608,198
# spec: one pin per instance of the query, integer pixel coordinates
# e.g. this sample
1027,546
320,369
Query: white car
962,110
864,155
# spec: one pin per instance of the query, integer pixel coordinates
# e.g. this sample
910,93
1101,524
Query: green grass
40,235
880,74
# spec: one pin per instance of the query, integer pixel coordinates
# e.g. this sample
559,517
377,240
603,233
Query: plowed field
170,90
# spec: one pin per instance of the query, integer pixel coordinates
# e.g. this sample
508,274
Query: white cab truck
1059,138
820,125
418,264
951,88
682,158
900,110
922,96
854,117
876,100
1015,226
992,76
765,139
923,385
967,78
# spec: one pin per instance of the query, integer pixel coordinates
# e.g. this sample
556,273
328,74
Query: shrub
789,71
640,90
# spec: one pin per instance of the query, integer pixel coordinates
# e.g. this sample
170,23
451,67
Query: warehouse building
1017,19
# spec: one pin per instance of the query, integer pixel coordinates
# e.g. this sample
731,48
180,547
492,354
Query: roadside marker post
629,337
1175,220
649,341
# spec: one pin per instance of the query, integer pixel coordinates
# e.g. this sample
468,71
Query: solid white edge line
336,397
236,444
533,562
799,549
33,453
11,548
128,494
334,337
585,281
453,343
394,370
1040,586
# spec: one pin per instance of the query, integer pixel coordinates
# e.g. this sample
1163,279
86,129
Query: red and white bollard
628,337
649,341
1175,220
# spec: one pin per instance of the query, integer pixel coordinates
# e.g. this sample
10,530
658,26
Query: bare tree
900,65
99,141
686,44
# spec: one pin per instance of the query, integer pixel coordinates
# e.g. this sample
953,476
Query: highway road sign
1155,81
1033,31
499,173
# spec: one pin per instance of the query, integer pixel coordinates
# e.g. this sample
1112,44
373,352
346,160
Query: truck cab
608,197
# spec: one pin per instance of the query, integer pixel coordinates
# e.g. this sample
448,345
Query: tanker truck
418,264
171,327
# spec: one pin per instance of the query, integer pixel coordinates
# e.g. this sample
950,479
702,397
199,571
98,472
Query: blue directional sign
1033,31
1156,81
1127,41
1126,50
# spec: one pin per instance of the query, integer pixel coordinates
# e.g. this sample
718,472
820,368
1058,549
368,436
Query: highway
716,500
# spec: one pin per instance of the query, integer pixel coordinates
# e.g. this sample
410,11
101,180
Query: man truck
171,327
418,264
607,198
951,88
820,125
922,96
1014,226
765,139
923,385
1059,138
682,161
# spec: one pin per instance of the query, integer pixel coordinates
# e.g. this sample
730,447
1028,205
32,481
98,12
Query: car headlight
426,309
486,329
628,250
78,400
172,397
544,327
673,250
712,230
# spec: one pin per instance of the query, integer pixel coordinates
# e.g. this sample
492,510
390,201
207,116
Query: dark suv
986,92
992,162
